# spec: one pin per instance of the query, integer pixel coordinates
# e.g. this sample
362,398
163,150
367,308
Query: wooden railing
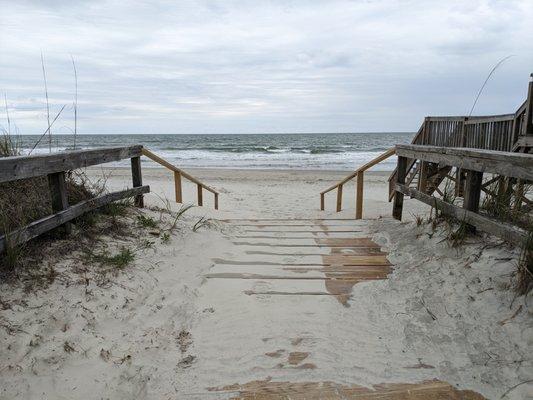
508,132
359,175
473,163
178,174
54,166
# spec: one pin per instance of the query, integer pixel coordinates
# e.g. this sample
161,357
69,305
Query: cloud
248,66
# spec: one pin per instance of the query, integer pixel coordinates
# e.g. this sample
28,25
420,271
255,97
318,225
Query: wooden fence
178,174
473,163
55,166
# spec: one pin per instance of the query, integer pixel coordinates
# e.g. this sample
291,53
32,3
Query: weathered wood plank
359,195
339,198
507,232
200,195
474,180
515,165
50,222
177,187
21,167
137,178
58,194
401,171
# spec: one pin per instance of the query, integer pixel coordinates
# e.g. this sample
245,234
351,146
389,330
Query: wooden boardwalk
306,258
332,251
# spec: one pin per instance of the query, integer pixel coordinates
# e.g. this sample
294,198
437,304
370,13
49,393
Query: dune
228,311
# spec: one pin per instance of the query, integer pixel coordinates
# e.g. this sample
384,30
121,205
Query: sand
162,329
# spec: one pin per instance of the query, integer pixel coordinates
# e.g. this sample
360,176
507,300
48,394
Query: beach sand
268,193
163,328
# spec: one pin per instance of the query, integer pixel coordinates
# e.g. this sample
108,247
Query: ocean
329,151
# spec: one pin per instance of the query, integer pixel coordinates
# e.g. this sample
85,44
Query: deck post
200,195
423,177
473,182
339,198
397,206
216,201
529,109
321,201
177,187
137,178
58,195
359,195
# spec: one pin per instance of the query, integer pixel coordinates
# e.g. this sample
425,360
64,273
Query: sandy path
211,308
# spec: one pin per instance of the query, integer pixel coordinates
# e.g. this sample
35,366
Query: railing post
137,179
459,174
322,201
529,109
216,201
177,187
397,206
423,177
359,195
200,195
339,198
58,195
473,182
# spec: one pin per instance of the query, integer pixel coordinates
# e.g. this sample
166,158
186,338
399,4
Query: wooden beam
22,167
58,195
509,233
339,198
137,178
474,180
529,110
397,206
322,201
515,165
50,222
200,195
423,178
177,187
472,193
216,201
359,195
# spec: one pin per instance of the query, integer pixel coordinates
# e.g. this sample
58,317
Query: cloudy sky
238,66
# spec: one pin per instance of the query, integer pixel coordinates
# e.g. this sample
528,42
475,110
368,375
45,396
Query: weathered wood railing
474,163
178,174
359,175
508,132
54,166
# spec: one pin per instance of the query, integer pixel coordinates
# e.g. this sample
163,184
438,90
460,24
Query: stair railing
359,175
178,174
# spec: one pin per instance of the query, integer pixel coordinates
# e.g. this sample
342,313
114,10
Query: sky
238,66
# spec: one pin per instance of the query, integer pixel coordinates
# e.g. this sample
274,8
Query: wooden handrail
359,175
474,163
178,173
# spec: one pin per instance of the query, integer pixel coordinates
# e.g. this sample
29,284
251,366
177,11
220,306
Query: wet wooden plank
268,389
371,275
350,242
